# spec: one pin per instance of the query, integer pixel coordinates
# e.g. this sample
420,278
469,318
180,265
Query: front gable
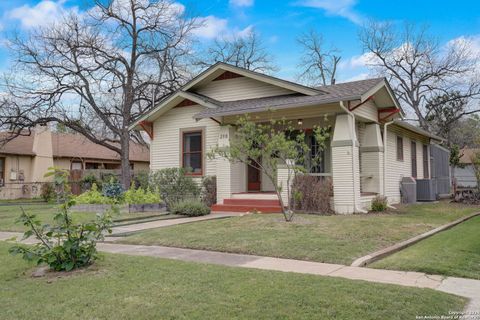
230,86
224,82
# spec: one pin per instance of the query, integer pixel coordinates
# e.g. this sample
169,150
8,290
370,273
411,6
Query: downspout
354,162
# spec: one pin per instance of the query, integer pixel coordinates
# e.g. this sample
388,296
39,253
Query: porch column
371,148
345,166
231,177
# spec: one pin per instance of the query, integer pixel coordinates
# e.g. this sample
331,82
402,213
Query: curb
372,257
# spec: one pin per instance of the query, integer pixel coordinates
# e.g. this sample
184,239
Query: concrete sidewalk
468,288
166,223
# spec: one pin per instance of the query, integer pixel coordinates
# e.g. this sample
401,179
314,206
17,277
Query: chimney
43,150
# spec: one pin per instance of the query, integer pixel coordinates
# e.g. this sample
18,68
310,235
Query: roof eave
183,94
220,113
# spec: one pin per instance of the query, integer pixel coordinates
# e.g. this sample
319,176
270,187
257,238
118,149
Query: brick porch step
248,205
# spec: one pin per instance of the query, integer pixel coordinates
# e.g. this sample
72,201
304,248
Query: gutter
354,135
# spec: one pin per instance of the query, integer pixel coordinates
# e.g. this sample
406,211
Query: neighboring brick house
25,159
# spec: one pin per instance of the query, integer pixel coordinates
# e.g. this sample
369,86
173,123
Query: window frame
187,131
400,156
414,158
3,177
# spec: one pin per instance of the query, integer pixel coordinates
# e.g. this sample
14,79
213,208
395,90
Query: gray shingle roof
332,93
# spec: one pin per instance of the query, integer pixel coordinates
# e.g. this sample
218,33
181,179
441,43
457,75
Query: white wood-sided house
370,151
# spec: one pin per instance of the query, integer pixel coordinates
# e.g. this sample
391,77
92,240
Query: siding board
241,88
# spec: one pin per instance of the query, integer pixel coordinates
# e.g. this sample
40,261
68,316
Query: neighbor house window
425,162
192,153
414,159
2,172
76,165
399,148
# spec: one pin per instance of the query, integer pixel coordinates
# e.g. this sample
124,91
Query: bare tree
245,51
419,68
318,63
98,71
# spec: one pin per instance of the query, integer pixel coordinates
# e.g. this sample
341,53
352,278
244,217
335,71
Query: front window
317,155
2,172
315,161
192,152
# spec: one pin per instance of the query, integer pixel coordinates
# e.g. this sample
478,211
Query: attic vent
227,75
185,103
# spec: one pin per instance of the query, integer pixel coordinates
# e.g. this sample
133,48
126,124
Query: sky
279,23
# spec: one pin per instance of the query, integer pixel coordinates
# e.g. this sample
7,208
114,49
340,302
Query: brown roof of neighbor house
67,145
467,154
331,93
22,145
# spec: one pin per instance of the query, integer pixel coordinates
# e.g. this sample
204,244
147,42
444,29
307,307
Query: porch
353,159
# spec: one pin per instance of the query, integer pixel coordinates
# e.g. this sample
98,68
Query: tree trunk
125,160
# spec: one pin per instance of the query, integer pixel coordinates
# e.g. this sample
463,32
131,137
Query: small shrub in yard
47,192
88,181
209,190
191,208
93,196
113,189
379,203
64,245
140,196
174,185
312,194
142,180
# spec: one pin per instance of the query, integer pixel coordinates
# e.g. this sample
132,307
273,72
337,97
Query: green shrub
209,190
88,181
140,196
174,186
379,203
142,180
77,247
93,196
112,189
47,192
192,208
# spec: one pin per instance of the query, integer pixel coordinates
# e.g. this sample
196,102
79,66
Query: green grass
334,239
127,287
45,212
455,252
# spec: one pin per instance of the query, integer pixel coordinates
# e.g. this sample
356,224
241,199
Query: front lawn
45,212
455,252
335,239
127,287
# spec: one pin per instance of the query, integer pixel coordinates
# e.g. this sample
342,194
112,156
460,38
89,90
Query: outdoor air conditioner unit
426,190
408,189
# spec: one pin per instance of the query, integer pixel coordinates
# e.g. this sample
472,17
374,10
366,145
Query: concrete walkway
166,223
468,288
